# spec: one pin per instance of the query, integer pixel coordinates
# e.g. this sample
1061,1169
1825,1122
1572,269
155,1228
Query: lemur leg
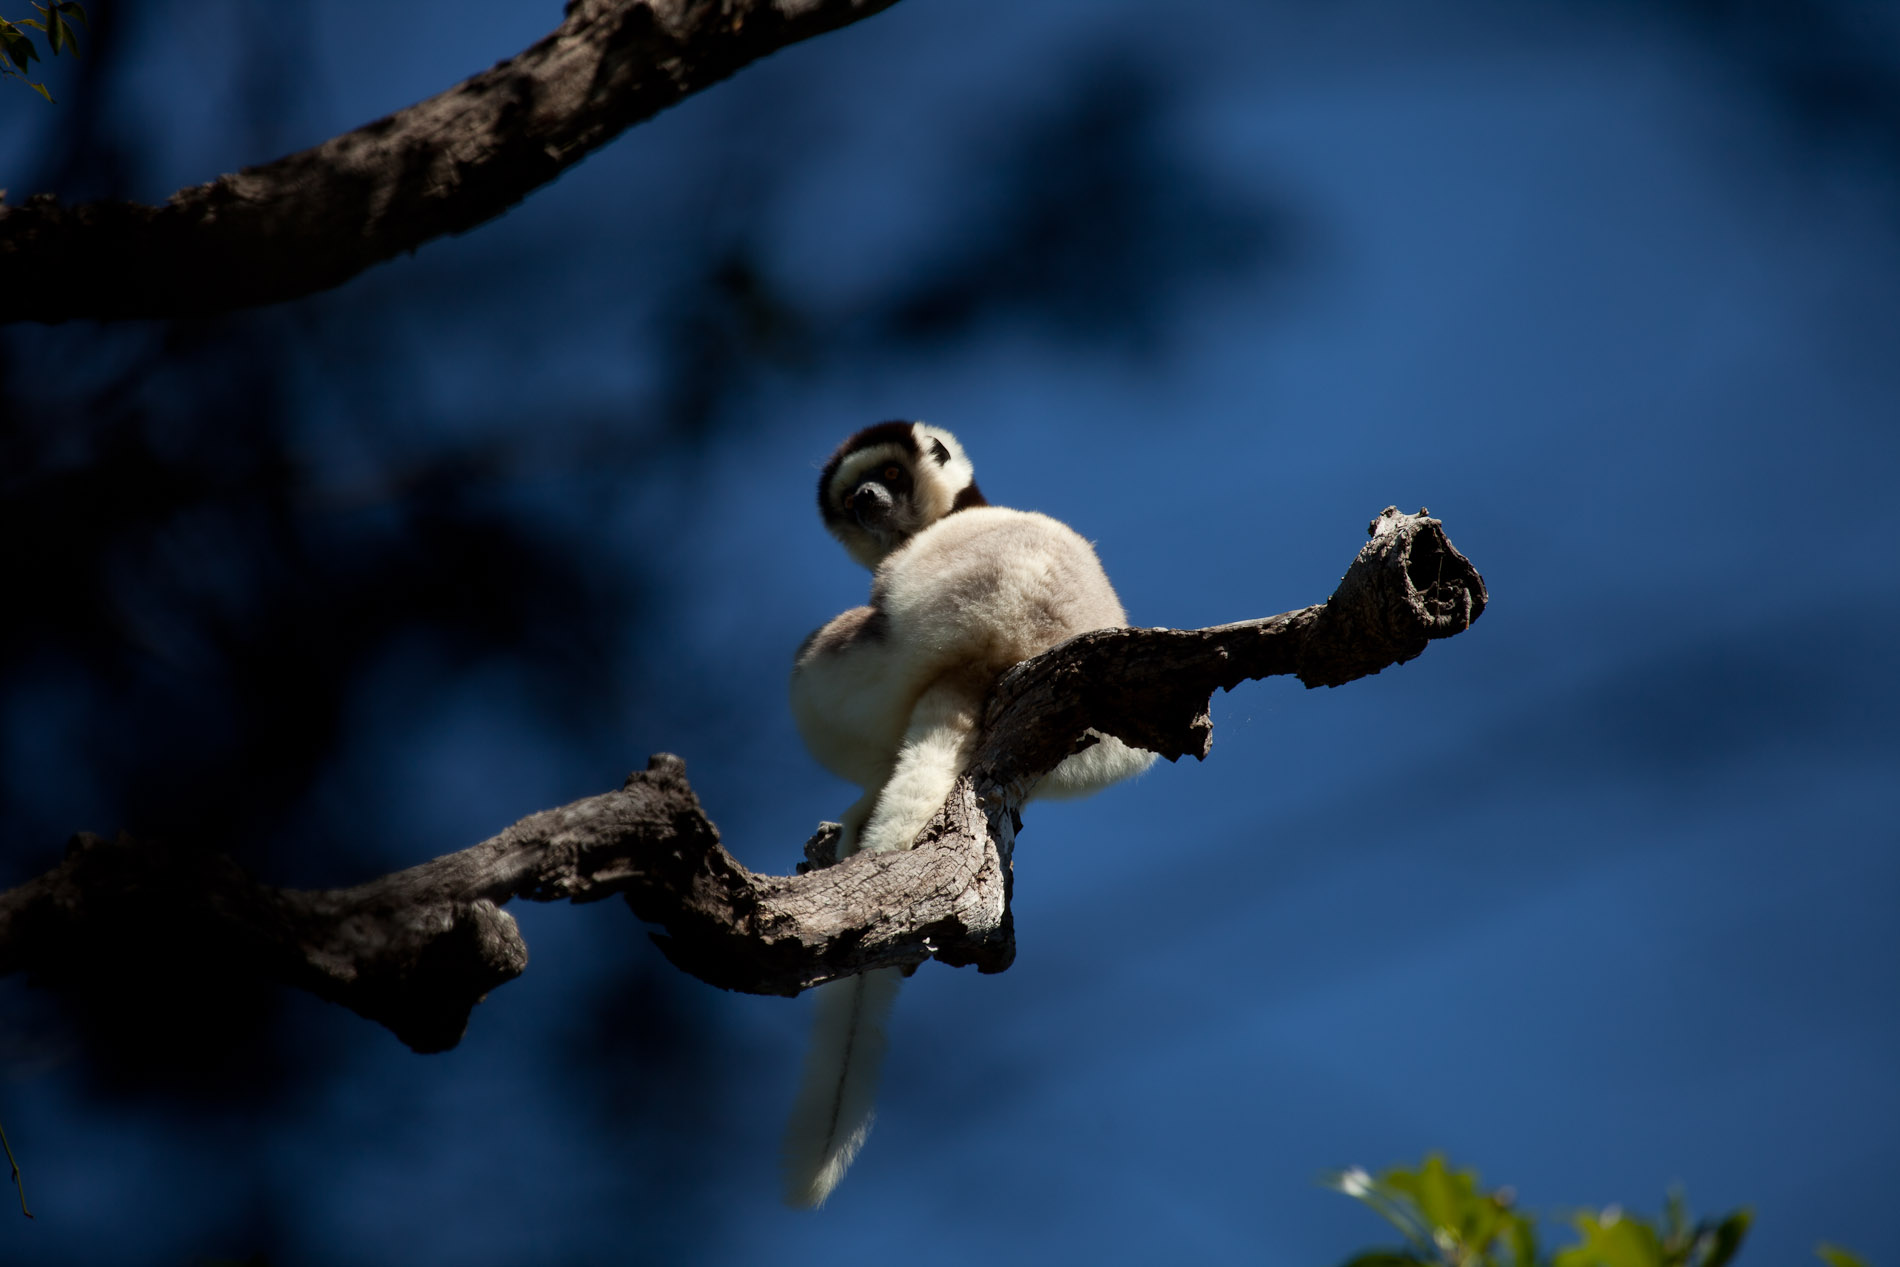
833,1112
936,748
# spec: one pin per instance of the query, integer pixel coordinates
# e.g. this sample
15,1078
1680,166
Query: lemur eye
891,474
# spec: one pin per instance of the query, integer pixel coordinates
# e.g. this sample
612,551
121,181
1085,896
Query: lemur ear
939,452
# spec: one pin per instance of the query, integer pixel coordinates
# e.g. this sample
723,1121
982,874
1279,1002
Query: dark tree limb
418,949
315,219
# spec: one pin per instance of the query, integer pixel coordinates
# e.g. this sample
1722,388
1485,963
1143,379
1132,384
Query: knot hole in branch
1450,592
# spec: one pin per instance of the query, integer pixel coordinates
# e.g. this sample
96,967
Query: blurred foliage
1094,228
55,23
225,595
1449,1220
253,561
1835,1256
1830,66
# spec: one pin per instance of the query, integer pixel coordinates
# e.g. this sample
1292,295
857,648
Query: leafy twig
1448,1220
16,1172
54,22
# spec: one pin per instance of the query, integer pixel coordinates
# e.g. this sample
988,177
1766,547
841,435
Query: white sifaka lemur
889,696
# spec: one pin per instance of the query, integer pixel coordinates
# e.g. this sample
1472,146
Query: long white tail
836,1100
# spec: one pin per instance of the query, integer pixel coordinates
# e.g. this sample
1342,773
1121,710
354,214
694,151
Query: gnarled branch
317,218
418,949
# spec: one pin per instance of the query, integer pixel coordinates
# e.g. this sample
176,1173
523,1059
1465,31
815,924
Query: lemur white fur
889,696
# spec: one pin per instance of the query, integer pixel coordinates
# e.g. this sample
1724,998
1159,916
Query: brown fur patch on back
846,630
970,496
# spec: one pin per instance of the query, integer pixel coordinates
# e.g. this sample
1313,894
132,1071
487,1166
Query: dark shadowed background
1598,897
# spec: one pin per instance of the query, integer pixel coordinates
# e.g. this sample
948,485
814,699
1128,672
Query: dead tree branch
317,218
418,949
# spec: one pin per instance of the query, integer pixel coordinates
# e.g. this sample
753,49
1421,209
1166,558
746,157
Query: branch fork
418,949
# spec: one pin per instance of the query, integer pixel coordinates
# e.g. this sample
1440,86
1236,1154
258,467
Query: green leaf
1612,1240
73,9
1835,1256
20,50
1725,1238
1677,1231
1385,1258
1523,1240
41,89
1441,1196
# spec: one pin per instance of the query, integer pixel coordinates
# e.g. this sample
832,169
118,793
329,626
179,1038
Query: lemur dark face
889,482
882,500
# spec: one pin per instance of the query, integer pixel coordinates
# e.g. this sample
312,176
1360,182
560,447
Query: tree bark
417,950
315,219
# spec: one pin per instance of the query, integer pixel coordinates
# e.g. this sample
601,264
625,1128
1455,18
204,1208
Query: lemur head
889,482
